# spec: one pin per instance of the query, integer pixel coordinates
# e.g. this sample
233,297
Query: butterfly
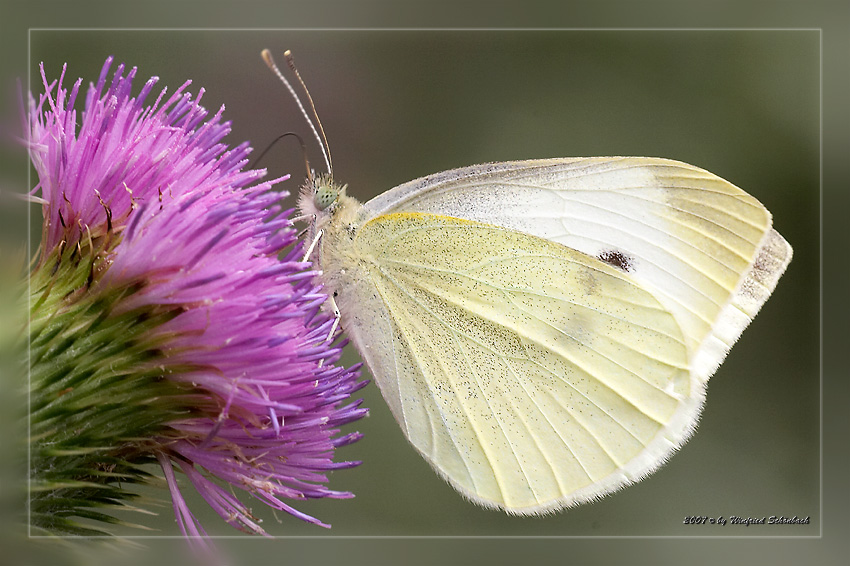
543,331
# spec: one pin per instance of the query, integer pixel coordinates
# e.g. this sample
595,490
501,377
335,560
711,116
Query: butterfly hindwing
530,375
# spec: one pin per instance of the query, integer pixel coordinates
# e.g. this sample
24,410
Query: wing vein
498,420
411,346
410,264
569,359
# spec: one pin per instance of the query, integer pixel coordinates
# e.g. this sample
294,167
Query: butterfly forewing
702,246
532,376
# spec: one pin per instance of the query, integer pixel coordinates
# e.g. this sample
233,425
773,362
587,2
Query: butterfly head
325,196
320,196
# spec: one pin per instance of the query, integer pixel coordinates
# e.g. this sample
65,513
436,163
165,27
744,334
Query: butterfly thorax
336,218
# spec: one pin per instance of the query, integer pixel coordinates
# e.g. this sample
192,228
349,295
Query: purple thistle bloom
218,341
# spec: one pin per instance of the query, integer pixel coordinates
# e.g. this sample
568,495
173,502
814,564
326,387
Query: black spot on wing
618,259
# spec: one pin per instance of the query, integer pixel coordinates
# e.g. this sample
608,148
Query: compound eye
325,196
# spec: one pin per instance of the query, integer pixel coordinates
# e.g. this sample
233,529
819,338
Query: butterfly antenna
290,60
267,57
303,152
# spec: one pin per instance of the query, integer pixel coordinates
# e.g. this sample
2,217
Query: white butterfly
543,331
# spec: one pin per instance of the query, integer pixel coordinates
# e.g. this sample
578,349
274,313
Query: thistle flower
171,319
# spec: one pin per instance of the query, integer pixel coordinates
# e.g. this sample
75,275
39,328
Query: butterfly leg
337,316
313,244
304,217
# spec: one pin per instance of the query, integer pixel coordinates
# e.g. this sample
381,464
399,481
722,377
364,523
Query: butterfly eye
325,196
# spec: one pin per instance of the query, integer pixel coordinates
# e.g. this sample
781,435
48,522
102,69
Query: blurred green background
401,104
398,105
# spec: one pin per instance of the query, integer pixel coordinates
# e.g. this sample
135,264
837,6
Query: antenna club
267,57
290,60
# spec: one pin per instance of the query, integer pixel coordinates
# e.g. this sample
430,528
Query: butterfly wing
530,375
702,246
